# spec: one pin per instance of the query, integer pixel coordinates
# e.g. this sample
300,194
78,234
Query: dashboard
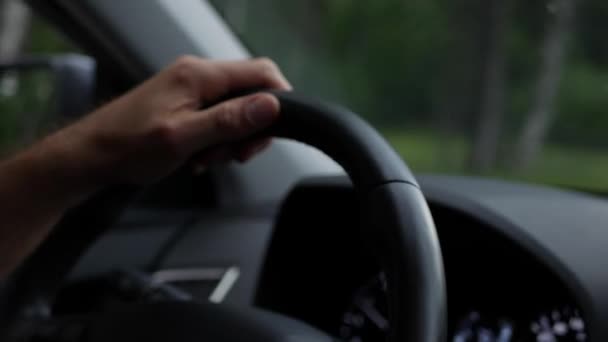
523,263
366,320
498,288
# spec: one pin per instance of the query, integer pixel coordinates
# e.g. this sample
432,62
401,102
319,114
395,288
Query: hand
137,139
147,133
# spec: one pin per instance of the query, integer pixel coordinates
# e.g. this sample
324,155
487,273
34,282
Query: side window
27,83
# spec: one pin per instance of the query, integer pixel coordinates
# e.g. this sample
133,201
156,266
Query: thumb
232,120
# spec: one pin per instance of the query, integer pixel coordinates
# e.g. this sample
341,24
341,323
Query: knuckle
183,71
165,133
267,62
187,61
267,66
229,120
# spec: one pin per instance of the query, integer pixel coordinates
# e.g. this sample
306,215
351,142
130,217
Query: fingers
217,154
242,152
259,72
250,149
214,79
229,121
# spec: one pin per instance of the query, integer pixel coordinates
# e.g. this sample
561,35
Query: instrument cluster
366,320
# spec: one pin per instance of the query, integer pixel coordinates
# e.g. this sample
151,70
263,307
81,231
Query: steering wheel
396,222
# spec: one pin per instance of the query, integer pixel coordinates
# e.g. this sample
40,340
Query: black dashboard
523,263
317,269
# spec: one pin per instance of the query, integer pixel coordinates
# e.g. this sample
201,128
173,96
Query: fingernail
261,111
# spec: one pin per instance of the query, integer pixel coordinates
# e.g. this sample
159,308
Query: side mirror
38,93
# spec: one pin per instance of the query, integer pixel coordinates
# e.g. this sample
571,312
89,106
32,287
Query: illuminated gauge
473,328
559,325
366,318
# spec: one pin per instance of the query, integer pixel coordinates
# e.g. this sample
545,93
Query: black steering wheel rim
397,223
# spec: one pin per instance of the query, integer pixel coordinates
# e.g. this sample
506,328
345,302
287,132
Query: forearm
137,139
37,186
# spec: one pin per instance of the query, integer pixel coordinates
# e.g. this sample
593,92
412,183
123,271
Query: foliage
24,99
413,66
26,96
583,107
416,66
555,166
43,39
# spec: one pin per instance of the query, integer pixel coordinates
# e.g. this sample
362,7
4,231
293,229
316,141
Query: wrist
58,169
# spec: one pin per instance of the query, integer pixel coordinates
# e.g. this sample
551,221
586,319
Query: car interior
325,236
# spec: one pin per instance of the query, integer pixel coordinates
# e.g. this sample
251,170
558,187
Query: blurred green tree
24,96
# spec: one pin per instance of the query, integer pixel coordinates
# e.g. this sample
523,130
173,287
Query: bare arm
138,138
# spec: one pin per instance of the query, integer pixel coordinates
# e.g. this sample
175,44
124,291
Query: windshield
506,88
